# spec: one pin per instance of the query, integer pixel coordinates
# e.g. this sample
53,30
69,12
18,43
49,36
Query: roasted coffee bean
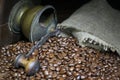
61,58
78,77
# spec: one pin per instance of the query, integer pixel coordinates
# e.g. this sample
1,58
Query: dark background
64,9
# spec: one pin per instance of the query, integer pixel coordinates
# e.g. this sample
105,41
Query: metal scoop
30,62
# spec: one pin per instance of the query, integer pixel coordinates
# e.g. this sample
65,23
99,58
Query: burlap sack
96,24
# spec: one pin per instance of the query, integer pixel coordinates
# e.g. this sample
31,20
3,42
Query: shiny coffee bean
61,58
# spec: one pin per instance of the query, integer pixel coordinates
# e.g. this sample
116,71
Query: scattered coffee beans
61,59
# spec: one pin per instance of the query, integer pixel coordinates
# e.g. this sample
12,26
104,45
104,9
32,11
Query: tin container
33,21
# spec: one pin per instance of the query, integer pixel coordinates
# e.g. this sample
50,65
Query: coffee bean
61,58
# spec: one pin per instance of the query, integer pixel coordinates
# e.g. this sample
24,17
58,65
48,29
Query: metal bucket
33,21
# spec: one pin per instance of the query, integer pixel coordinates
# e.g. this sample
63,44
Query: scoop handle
42,41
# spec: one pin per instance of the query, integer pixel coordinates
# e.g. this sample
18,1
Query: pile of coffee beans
61,59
